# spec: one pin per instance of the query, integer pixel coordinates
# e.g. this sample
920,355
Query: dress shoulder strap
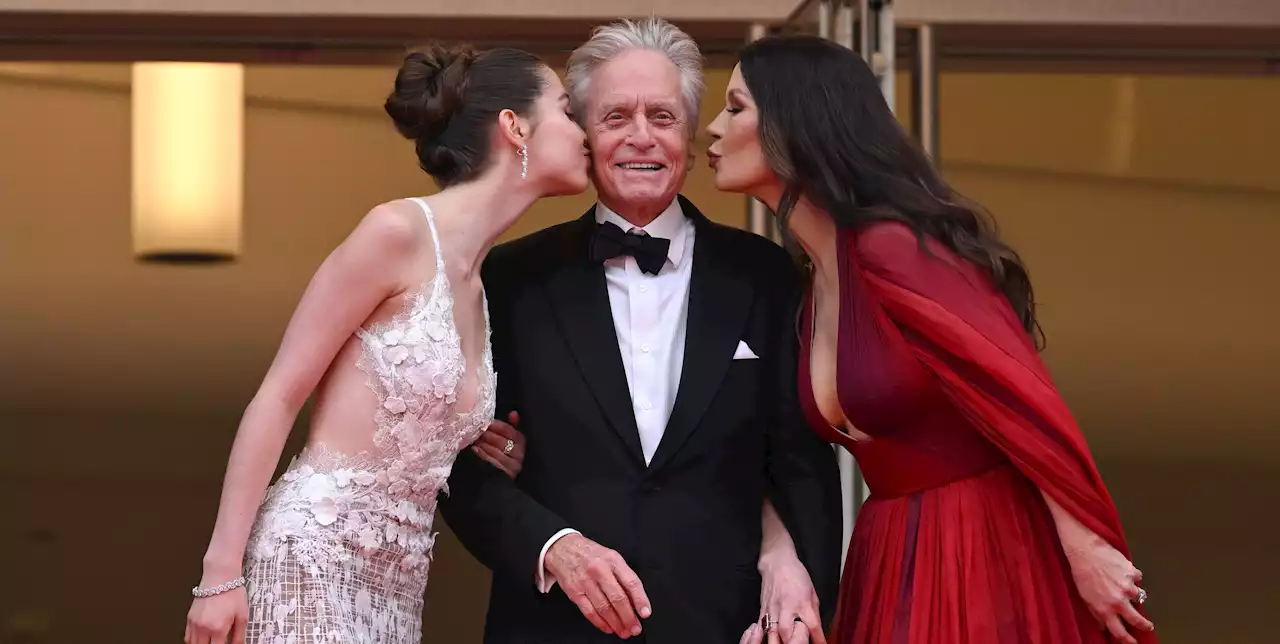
435,237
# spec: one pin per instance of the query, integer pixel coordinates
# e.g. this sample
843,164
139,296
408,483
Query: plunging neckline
813,393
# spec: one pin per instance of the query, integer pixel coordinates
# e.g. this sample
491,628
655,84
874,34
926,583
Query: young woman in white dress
392,338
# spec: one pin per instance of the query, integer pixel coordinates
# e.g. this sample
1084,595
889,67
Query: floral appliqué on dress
342,544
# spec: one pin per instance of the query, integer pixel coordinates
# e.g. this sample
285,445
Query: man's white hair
654,34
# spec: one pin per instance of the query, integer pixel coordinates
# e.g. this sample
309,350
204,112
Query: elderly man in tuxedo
651,357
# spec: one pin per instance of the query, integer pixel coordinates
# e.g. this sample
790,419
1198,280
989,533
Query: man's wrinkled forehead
633,80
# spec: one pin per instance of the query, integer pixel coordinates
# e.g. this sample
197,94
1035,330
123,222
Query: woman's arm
370,266
775,542
1106,580
786,590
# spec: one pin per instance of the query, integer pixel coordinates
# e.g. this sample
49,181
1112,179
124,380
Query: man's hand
604,588
787,595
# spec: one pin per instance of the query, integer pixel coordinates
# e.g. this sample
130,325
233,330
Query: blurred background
1127,149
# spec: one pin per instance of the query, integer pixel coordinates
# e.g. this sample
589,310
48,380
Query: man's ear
514,130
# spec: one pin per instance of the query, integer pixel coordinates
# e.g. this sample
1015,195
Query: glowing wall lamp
188,161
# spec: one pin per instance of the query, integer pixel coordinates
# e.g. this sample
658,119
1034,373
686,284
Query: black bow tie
609,242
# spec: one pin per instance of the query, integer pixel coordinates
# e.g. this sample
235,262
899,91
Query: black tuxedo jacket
689,522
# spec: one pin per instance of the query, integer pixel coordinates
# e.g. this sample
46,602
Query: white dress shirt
650,316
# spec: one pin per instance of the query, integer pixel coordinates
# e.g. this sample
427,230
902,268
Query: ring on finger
509,447
1142,596
768,623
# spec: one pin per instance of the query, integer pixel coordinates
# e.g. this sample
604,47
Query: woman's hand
1108,583
1105,579
756,635
502,445
212,620
787,595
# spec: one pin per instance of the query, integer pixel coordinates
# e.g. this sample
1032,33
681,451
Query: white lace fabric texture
342,544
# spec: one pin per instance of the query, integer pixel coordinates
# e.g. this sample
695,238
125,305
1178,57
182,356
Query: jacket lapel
580,300
719,300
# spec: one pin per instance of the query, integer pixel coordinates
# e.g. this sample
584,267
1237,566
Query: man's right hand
606,590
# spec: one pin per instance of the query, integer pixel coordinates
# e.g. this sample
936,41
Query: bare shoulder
387,246
394,227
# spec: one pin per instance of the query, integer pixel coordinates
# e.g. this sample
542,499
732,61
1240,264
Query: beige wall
1146,208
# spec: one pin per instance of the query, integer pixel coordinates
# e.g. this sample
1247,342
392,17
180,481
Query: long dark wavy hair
828,133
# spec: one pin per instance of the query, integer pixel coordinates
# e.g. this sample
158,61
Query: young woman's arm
370,266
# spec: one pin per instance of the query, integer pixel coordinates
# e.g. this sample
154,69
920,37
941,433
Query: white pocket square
744,352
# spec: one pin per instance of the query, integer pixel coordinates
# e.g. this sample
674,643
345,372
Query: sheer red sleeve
963,330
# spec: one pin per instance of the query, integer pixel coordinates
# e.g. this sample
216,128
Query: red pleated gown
956,544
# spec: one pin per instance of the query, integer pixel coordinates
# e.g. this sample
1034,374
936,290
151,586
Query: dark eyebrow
738,94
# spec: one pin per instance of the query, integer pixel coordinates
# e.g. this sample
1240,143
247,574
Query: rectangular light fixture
188,161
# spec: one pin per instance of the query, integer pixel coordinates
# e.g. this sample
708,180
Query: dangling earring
524,161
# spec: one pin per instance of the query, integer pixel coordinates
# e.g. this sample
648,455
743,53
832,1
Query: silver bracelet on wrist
219,589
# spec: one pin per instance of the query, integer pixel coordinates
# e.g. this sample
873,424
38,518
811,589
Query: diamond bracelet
219,589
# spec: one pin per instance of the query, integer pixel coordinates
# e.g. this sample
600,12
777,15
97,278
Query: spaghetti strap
435,237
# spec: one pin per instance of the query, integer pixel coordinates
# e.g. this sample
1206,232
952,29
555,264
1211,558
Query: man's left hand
787,595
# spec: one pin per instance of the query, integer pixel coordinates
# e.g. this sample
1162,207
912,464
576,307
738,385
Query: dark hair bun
447,101
430,88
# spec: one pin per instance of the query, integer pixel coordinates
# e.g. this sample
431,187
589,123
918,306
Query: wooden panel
300,40
1131,13
1235,13
597,10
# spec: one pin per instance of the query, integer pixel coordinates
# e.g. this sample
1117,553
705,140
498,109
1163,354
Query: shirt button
644,289
644,348
647,405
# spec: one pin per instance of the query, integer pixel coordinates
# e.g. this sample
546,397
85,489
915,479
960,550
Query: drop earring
524,161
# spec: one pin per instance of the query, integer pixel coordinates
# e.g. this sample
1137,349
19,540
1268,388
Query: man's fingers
752,635
514,418
605,609
621,603
589,612
634,589
799,636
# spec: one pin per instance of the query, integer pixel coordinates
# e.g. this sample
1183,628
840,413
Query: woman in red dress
988,522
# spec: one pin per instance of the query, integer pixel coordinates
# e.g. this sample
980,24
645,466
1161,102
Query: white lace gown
342,544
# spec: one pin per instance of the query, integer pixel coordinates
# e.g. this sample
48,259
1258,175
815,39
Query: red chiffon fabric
956,544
